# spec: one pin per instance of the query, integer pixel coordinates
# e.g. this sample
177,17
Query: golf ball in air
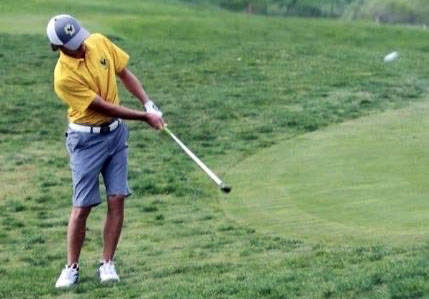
391,56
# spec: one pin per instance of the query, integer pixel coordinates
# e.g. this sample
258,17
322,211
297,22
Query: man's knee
118,199
79,214
115,204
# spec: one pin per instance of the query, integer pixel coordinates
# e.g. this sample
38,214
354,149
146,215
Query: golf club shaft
200,163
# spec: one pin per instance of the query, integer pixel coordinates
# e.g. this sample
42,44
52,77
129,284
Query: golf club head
225,188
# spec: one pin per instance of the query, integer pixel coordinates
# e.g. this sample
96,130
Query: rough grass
390,11
381,11
229,85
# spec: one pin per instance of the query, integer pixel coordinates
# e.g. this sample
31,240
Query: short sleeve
75,94
120,57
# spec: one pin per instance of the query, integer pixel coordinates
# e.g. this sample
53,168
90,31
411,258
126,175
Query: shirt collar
74,62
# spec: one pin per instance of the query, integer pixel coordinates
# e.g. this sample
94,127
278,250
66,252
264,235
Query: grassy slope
229,85
363,181
390,11
384,11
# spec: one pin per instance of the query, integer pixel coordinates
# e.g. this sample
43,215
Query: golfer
96,137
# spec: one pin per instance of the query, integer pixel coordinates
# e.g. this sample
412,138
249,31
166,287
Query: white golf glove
150,107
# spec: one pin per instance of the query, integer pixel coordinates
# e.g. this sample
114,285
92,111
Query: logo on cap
69,29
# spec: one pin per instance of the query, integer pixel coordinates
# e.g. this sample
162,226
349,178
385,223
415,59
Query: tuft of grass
149,209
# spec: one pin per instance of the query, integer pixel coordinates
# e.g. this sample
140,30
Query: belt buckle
104,130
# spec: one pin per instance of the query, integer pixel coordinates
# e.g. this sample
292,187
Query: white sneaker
69,277
107,272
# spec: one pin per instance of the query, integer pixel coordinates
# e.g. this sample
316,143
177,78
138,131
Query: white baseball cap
64,30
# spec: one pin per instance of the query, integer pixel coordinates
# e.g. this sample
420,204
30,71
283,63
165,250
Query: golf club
225,188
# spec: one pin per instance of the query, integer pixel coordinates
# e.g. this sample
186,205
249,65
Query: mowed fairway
362,181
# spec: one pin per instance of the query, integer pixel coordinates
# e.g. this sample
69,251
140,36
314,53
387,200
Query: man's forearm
126,113
133,85
112,110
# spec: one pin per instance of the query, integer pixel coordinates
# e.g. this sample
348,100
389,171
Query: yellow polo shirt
78,81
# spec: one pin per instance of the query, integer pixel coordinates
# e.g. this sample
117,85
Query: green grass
230,85
383,11
390,11
361,182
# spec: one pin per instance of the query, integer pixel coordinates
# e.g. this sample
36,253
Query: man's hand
150,107
154,120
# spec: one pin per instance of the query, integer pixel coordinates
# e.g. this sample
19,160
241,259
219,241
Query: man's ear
55,47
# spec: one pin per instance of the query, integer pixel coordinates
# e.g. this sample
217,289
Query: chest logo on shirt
104,62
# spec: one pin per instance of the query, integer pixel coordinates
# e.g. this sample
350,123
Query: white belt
95,129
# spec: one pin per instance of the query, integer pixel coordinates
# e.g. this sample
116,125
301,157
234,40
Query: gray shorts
92,154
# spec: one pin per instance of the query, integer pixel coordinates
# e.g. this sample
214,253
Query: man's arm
101,106
133,85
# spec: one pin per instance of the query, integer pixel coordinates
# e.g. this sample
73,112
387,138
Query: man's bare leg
113,225
76,233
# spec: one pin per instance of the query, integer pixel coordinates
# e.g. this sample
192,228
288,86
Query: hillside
380,11
230,85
